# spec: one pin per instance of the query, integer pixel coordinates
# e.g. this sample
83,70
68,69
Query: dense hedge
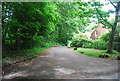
98,44
101,43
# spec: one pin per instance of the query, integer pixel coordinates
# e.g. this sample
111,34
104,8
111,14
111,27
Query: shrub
99,44
79,39
50,44
116,43
116,46
87,45
79,42
105,37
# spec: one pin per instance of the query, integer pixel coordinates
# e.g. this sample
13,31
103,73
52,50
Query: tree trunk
112,35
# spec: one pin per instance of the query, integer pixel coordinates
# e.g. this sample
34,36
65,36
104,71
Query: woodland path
64,63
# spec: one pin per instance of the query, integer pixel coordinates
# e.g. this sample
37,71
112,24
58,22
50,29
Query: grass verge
96,52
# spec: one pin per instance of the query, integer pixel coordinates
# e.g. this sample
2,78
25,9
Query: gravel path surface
64,63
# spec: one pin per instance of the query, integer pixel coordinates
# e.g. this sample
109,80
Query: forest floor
63,63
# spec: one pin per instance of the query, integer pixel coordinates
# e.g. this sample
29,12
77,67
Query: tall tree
74,18
24,23
113,26
112,35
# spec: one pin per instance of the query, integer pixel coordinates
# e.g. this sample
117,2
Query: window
95,33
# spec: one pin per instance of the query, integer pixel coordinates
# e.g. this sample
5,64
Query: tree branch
102,17
112,3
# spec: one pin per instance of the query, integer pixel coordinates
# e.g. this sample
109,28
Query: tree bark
112,34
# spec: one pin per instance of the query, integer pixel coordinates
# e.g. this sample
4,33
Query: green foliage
87,45
31,51
116,43
42,24
102,42
22,52
113,52
105,37
96,53
79,39
25,23
26,26
89,52
73,19
116,46
50,44
117,36
99,44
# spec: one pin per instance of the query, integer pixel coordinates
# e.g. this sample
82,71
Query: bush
101,43
79,39
116,43
105,37
98,44
79,42
50,44
87,45
116,46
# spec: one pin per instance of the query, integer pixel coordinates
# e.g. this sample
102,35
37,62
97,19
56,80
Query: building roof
98,31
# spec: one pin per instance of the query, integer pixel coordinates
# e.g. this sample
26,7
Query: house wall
98,32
